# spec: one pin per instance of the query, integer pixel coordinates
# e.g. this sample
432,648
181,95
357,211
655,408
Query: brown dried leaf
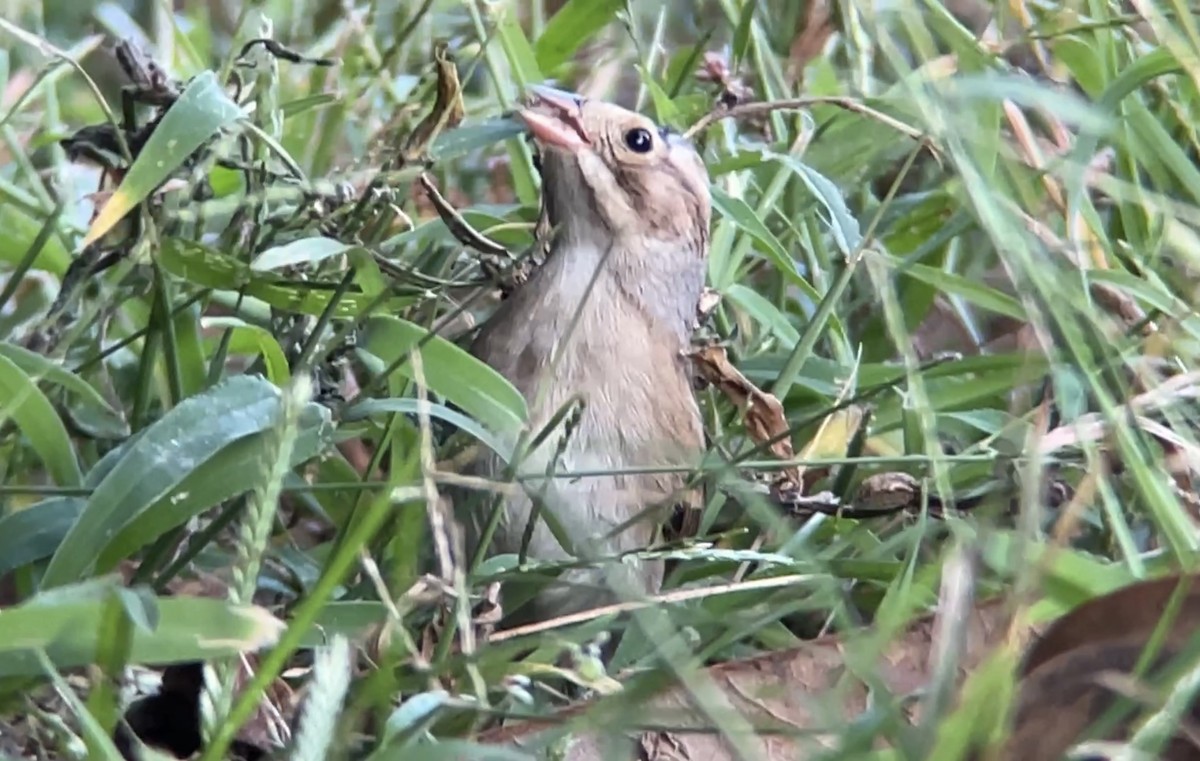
1069,676
768,691
764,416
270,727
448,110
1061,694
1131,611
886,492
813,31
709,300
714,68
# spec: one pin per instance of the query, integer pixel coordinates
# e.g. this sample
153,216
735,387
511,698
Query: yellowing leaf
200,113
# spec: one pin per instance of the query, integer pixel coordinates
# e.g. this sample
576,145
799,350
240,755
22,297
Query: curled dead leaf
887,492
1087,660
1135,610
813,31
447,111
765,420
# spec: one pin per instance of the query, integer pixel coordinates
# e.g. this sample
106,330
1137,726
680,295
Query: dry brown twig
757,108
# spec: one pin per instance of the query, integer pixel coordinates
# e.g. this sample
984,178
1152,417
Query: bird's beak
553,117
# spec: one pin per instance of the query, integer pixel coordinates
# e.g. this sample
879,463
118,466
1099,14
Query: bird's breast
628,372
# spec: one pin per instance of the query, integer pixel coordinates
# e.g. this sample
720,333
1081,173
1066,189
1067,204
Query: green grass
168,418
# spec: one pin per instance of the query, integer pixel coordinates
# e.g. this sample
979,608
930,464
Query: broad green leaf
511,232
851,145
204,266
452,750
1070,394
1024,91
308,103
1070,576
690,107
347,617
99,743
169,450
20,232
987,421
450,372
962,42
740,214
201,111
458,142
1149,129
189,350
953,394
574,24
200,265
110,459
66,627
236,469
303,251
253,339
1083,62
665,111
521,58
225,182
764,312
741,34
1155,64
34,533
971,290
42,368
372,407
842,223
821,377
414,713
26,405
745,158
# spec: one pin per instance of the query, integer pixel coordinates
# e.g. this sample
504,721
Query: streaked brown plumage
607,318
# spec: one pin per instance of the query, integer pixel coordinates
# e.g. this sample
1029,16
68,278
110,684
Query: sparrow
601,326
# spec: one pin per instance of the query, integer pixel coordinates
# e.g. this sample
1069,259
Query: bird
605,321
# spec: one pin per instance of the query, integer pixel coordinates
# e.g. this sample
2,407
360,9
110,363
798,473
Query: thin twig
679,595
795,104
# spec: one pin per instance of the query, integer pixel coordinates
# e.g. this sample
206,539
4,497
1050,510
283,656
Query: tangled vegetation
945,360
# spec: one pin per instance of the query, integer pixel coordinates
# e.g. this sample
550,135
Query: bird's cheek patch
611,199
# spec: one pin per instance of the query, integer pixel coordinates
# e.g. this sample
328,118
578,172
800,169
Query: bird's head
611,172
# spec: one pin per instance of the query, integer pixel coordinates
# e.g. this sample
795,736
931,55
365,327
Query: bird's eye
639,140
